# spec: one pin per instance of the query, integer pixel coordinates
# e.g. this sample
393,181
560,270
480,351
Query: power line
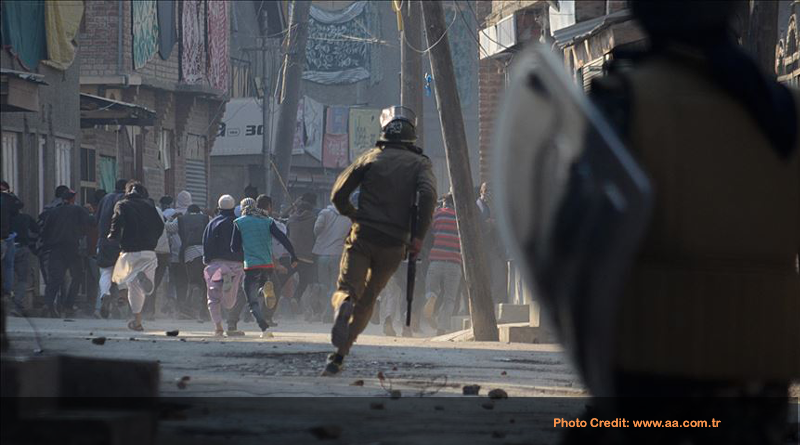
405,39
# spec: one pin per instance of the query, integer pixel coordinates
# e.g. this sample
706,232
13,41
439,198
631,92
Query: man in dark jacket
27,231
190,228
137,226
393,178
63,228
43,255
9,207
224,270
107,249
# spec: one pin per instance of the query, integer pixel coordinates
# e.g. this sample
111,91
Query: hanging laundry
218,44
193,41
62,20
23,31
145,31
167,33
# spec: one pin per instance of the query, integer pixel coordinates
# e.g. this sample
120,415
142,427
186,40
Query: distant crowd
124,256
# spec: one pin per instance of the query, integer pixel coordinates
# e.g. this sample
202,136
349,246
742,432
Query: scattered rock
503,373
326,432
173,333
487,405
183,339
69,320
357,383
91,333
154,341
376,406
395,394
182,382
438,408
394,369
471,390
99,341
498,434
498,394
132,339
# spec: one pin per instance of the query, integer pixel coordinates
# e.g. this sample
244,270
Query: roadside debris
173,333
182,382
471,390
487,405
498,394
357,383
395,394
99,341
503,373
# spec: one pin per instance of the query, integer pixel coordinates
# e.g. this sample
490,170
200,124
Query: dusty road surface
224,372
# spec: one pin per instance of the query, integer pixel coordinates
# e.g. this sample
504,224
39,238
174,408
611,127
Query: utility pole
411,64
265,112
484,324
294,61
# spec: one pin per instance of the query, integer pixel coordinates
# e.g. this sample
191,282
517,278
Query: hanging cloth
23,31
145,31
62,20
167,32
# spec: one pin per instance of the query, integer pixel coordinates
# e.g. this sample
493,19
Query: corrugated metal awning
98,110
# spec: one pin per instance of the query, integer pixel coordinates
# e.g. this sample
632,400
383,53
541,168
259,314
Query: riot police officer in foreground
710,308
393,177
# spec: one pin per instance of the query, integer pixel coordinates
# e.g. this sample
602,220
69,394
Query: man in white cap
224,271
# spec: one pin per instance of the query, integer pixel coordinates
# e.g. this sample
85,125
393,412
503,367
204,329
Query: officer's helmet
398,124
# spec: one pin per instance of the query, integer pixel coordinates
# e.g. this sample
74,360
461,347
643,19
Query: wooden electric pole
476,272
294,62
411,65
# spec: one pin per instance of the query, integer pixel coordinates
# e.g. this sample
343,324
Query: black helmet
398,124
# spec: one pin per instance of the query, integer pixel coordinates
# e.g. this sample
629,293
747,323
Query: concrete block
524,333
457,322
513,313
93,377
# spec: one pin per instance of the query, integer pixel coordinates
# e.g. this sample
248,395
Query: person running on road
394,176
252,235
223,272
63,228
137,226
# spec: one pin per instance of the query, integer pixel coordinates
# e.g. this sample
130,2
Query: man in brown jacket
393,176
711,307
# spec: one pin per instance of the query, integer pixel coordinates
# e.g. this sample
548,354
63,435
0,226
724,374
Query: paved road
225,373
289,364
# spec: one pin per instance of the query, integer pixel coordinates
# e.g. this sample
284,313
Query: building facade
171,58
349,90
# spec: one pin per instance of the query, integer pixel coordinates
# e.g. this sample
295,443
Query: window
63,161
88,166
10,157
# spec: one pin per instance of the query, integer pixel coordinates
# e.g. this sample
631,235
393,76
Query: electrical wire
438,41
493,40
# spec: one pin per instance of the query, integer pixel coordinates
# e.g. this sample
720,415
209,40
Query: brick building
584,32
171,152
787,53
